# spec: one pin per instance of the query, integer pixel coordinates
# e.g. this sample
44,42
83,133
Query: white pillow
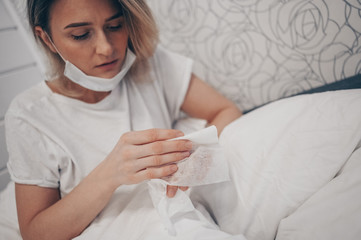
279,156
333,212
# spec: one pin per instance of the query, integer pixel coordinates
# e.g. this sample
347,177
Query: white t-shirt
55,141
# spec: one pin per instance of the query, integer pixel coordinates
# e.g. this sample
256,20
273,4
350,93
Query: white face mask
96,83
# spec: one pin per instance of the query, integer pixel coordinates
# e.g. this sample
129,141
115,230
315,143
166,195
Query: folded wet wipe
205,165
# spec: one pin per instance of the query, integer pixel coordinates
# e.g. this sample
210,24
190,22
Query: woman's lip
107,63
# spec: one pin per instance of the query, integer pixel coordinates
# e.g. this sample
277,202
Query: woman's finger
183,188
150,135
156,172
163,147
171,191
159,160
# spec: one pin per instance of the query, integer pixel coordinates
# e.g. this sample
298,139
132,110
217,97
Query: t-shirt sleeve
174,73
32,155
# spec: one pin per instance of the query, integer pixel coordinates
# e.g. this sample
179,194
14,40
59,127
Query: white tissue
206,165
168,208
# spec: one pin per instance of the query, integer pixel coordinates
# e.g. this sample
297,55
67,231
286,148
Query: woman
95,127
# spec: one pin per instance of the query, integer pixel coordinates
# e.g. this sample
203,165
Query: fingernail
171,192
186,154
173,168
180,134
189,145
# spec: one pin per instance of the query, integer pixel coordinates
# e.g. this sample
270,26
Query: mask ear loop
52,43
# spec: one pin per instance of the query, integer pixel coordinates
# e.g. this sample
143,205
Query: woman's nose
103,45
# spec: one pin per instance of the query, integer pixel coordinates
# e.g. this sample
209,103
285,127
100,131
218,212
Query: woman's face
91,34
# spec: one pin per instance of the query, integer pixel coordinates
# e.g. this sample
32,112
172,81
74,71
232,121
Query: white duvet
295,166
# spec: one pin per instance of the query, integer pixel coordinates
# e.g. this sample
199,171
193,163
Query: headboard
258,51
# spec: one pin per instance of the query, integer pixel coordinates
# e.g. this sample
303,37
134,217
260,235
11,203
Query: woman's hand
143,155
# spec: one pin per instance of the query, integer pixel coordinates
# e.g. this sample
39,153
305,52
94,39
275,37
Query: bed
295,173
295,155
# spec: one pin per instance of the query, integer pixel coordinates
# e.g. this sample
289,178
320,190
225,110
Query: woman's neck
66,87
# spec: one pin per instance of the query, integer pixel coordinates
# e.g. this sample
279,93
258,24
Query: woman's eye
115,27
80,37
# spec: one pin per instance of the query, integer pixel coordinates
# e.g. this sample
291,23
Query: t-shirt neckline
104,103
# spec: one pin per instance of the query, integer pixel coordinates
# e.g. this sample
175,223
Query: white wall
19,69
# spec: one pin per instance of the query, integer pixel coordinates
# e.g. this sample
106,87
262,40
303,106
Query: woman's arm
42,215
202,101
136,157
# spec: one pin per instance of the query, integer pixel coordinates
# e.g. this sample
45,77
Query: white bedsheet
140,220
283,161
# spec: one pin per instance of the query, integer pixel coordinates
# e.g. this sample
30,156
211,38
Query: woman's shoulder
27,99
165,55
170,64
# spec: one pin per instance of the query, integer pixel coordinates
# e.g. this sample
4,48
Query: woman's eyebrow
81,24
119,14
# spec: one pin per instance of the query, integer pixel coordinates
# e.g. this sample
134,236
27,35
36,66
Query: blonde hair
143,32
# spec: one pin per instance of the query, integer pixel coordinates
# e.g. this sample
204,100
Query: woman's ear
39,31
